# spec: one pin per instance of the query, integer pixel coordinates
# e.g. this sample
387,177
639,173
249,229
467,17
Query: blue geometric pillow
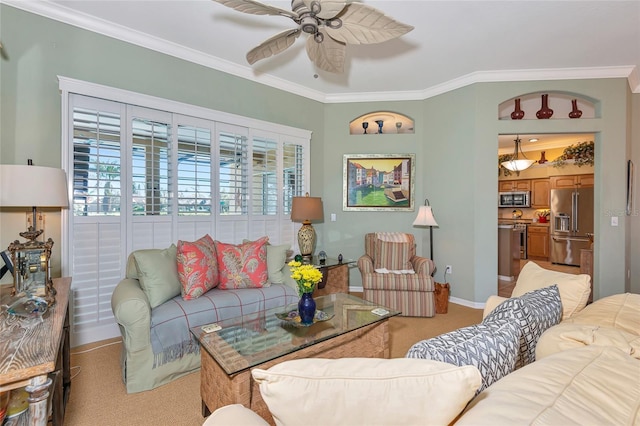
534,312
492,347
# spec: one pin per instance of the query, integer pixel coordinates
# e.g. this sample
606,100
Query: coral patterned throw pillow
197,267
243,265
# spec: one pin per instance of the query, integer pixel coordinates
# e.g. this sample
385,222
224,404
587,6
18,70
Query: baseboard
467,303
456,300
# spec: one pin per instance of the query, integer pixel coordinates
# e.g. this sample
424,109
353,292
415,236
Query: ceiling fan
331,25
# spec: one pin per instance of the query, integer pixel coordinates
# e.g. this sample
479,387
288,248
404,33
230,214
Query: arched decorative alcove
381,122
560,102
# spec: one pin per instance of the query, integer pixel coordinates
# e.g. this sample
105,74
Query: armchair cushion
349,391
158,274
392,256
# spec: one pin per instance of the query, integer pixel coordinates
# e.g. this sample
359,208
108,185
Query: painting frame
378,182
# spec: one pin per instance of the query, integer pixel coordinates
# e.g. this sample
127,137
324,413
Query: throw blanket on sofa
171,337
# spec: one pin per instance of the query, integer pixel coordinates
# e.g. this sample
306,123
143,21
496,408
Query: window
149,172
96,162
264,185
194,171
150,167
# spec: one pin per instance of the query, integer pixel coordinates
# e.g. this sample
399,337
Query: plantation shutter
96,221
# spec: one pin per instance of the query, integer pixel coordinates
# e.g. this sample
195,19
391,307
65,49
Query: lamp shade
306,209
517,165
425,217
27,186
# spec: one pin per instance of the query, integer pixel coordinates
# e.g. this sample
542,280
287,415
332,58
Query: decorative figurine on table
340,258
322,257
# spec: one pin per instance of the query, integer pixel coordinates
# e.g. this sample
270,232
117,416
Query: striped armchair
393,276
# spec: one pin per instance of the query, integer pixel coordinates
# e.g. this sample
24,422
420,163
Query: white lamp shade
517,165
425,217
28,186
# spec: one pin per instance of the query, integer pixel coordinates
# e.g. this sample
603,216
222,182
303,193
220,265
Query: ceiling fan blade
256,8
273,46
325,9
362,24
328,55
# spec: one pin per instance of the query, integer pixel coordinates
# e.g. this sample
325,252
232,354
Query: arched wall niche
559,102
392,123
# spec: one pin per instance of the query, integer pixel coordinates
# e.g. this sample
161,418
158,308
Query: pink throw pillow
243,265
197,267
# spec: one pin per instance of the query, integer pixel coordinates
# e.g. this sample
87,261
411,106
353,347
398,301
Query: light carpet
98,396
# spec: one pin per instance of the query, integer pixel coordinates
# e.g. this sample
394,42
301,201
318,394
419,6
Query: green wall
455,143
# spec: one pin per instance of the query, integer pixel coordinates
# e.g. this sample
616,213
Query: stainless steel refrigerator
571,224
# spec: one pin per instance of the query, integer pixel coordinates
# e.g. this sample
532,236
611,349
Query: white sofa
586,371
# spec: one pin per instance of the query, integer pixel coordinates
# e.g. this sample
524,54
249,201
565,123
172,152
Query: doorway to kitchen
532,222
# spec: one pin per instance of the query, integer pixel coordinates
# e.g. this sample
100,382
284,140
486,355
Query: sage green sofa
157,345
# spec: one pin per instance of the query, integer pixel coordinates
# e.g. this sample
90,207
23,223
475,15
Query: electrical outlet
448,269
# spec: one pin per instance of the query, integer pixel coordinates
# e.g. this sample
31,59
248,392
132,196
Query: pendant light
517,164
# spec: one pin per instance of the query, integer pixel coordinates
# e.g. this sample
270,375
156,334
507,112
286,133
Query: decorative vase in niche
544,111
575,112
517,113
542,159
307,308
380,124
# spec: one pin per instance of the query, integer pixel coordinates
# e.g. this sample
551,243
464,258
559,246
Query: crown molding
90,23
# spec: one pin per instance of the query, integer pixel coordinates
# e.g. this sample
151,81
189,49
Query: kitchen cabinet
540,190
538,242
514,185
571,181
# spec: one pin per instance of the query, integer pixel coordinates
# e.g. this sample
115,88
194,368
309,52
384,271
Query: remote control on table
209,328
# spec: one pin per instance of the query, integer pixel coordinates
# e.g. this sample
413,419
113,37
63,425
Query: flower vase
307,308
544,111
575,112
517,113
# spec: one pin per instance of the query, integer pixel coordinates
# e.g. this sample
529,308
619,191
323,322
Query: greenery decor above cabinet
540,191
572,181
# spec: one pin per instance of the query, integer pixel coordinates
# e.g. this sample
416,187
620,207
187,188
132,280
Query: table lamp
31,186
425,218
306,209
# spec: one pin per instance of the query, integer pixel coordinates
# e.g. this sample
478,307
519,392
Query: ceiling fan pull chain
318,37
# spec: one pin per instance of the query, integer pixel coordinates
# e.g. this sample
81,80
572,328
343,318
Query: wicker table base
218,389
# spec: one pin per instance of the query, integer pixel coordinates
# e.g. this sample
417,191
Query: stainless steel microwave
514,199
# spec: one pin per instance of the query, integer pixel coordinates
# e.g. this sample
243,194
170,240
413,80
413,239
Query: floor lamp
425,218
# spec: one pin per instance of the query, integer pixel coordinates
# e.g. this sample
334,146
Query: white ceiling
454,43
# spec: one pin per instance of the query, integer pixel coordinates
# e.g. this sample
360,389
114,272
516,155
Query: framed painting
378,182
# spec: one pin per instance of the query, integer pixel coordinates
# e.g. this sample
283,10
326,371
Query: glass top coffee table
264,339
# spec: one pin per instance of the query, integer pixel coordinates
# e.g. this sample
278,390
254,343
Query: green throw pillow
158,274
277,262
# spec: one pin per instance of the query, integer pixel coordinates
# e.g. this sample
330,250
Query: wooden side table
32,351
336,280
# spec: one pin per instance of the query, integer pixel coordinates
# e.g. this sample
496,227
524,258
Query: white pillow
574,289
366,391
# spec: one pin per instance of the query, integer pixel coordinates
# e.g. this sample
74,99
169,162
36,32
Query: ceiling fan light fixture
332,24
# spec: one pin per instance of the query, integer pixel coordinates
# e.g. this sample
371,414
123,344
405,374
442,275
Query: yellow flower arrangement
307,276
